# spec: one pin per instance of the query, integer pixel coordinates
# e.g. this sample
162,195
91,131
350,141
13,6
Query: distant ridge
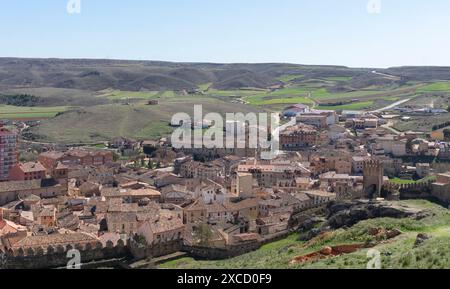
134,75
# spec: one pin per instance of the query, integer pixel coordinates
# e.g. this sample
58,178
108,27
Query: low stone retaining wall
230,251
227,252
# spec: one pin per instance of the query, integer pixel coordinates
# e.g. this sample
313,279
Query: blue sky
341,32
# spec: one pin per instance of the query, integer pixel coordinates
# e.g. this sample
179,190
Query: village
140,200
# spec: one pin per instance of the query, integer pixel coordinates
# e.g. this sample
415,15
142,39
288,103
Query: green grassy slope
396,253
104,122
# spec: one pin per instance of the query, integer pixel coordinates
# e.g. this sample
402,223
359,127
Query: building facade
298,136
8,152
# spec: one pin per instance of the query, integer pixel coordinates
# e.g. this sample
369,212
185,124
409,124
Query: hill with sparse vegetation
417,244
78,92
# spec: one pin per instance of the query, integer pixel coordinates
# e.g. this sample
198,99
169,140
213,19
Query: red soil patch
327,252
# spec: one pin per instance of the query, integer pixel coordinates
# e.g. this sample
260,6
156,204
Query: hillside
95,75
82,93
136,120
396,252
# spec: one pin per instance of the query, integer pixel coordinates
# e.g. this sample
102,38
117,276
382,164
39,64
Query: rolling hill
89,100
95,75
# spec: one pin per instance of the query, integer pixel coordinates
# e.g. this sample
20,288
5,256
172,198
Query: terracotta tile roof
30,167
302,197
119,217
199,204
8,227
216,208
32,198
20,186
248,203
165,223
55,240
52,155
122,193
247,237
61,166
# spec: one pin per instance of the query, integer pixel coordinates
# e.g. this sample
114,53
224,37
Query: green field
393,99
117,94
309,95
436,87
325,95
264,100
16,112
339,78
353,106
234,93
139,121
411,182
396,253
205,86
290,95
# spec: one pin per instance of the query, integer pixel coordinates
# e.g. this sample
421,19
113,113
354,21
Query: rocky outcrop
382,233
347,214
421,238
310,223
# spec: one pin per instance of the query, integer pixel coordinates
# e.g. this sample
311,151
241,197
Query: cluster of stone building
81,196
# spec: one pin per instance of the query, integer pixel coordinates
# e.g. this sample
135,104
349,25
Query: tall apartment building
8,152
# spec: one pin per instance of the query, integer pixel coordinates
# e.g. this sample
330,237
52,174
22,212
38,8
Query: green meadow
352,106
19,112
339,78
436,87
118,94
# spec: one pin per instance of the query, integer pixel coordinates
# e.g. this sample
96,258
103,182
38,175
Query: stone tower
373,179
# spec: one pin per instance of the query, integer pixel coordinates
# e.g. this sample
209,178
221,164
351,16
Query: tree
116,157
409,145
446,134
203,235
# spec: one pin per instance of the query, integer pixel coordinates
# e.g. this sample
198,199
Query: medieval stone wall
420,190
60,256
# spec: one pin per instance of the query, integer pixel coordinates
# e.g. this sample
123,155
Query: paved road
386,75
392,105
390,128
